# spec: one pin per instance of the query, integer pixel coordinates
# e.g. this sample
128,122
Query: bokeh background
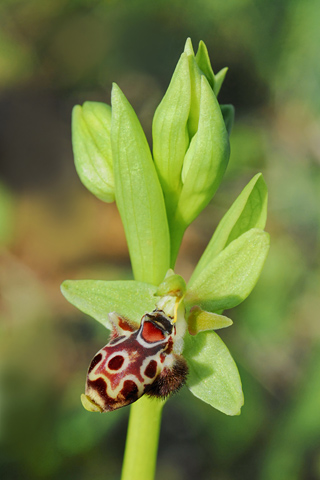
57,53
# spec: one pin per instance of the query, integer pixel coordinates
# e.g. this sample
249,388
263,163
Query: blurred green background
56,53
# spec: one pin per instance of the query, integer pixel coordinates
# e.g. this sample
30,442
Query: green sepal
97,298
139,195
213,375
201,321
92,148
203,61
170,134
229,277
228,116
248,211
206,159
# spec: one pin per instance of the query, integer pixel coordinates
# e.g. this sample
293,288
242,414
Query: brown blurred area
59,53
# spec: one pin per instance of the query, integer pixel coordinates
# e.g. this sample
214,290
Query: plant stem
140,455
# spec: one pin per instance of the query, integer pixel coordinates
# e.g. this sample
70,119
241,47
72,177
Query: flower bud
190,140
92,148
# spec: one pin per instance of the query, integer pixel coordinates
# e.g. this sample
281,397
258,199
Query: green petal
229,278
248,211
213,374
92,148
201,321
97,298
138,194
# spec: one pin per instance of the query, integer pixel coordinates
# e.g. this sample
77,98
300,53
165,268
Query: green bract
248,211
91,143
229,277
158,197
138,194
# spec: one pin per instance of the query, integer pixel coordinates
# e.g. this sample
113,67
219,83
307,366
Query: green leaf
248,211
138,194
229,278
203,61
170,134
213,374
206,159
92,148
228,116
97,298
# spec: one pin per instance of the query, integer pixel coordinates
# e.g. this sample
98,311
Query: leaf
213,374
229,278
206,159
92,148
138,194
248,211
170,134
97,298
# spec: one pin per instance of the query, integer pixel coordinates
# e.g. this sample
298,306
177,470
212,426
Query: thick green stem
140,456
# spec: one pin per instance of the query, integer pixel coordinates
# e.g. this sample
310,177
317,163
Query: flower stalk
140,457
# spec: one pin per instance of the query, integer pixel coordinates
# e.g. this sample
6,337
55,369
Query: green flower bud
190,140
92,148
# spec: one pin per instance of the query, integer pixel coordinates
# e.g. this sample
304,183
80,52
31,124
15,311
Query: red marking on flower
151,369
151,333
116,339
129,390
116,362
169,346
125,325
